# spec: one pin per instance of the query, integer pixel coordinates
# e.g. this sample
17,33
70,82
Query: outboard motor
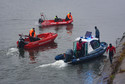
68,55
21,42
40,20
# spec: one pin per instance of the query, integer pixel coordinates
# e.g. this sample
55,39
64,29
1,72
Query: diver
21,42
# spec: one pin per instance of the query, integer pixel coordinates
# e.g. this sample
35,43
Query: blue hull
96,53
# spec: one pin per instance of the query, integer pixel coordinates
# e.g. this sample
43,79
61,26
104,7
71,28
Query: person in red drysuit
112,51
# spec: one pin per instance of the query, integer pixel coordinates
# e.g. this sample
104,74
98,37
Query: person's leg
31,39
110,57
99,40
36,39
77,54
67,19
55,20
80,54
60,19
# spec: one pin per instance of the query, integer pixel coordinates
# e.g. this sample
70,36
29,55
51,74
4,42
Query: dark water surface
37,66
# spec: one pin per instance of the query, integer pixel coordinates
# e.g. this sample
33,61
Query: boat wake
57,64
11,51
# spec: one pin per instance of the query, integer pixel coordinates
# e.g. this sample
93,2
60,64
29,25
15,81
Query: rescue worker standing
32,35
97,33
79,48
69,16
112,51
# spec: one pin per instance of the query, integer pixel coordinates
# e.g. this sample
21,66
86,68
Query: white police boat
91,48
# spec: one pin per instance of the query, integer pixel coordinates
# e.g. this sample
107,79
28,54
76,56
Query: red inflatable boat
52,22
45,38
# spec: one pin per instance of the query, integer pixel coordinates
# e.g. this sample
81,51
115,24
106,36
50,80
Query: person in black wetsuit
97,33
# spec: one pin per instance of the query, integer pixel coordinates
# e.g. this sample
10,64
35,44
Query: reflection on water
68,27
32,56
34,51
90,70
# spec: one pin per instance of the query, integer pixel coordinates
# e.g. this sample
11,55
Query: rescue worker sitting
57,19
32,35
79,48
68,17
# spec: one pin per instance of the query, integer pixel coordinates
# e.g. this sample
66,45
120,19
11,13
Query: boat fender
74,61
59,57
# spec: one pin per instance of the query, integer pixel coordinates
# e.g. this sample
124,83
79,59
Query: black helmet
110,45
80,40
95,27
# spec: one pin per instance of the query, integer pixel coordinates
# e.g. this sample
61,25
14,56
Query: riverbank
115,73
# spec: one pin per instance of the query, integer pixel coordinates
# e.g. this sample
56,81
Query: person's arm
77,46
68,16
31,34
71,17
34,34
107,50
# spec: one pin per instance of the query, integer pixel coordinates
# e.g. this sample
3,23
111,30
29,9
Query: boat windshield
88,34
95,44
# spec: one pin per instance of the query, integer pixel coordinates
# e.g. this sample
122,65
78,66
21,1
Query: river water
37,66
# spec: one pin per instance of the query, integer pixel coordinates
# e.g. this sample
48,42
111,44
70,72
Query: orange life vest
32,33
69,16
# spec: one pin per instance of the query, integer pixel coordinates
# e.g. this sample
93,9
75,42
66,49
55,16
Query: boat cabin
89,44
